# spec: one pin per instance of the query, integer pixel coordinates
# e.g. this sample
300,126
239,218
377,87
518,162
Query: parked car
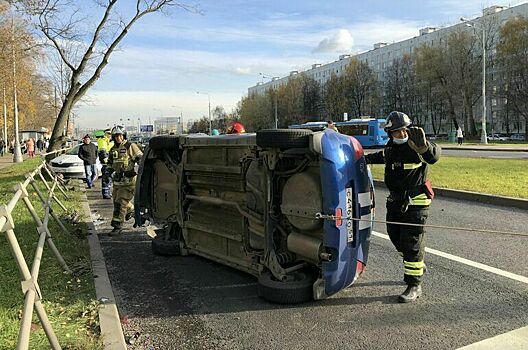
497,137
70,165
517,137
274,204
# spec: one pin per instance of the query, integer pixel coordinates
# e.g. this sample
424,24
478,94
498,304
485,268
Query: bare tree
85,55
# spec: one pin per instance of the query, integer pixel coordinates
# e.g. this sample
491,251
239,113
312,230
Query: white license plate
349,214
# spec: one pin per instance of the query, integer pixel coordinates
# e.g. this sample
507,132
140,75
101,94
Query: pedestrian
40,145
460,136
2,147
330,125
406,157
123,158
30,147
88,154
104,145
46,144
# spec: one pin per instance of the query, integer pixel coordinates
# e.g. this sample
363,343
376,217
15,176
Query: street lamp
484,136
210,121
265,76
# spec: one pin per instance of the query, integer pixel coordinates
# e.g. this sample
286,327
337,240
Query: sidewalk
6,160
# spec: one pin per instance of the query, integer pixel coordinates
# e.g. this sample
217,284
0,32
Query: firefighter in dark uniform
123,157
406,157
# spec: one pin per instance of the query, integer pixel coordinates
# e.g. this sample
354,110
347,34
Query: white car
70,165
497,137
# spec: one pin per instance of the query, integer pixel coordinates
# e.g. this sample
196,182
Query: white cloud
243,71
339,42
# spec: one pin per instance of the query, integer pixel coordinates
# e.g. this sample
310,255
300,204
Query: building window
494,102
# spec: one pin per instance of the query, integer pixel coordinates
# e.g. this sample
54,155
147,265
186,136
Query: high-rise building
381,56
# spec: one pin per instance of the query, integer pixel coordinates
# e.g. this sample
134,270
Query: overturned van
278,204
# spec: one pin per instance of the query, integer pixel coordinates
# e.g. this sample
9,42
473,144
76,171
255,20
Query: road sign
146,128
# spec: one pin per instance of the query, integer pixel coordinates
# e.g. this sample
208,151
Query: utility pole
17,152
5,120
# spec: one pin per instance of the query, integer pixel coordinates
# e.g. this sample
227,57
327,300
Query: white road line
484,267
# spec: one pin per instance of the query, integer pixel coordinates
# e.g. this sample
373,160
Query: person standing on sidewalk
104,145
2,148
123,158
460,136
30,146
406,157
88,154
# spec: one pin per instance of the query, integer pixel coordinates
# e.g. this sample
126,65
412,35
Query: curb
111,331
476,197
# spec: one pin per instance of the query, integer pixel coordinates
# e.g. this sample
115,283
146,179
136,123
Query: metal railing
30,286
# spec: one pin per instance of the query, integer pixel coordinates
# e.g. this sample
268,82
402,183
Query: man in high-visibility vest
123,158
104,144
406,157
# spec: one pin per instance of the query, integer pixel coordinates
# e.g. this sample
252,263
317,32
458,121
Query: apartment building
381,56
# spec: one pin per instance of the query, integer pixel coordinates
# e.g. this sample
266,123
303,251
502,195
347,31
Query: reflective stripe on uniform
410,166
420,199
413,268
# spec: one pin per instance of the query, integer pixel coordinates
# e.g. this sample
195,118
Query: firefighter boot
411,294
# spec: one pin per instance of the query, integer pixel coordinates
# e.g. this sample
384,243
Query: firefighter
104,144
406,157
236,128
123,157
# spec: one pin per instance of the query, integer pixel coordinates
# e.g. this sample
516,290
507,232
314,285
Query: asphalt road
477,153
192,303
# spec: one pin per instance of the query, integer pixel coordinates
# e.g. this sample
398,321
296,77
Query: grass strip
503,177
69,300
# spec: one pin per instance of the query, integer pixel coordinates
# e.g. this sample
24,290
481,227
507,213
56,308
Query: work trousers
408,240
106,181
122,203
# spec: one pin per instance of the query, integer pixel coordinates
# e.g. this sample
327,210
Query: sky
233,44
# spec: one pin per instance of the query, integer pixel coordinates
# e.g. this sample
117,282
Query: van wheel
161,246
296,289
164,142
283,138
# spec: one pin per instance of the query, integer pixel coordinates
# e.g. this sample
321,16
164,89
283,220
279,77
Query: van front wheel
297,288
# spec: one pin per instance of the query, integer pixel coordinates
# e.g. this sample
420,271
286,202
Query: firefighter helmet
396,121
119,130
236,128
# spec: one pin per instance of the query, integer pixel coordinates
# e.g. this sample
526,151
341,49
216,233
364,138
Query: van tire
297,290
283,138
164,142
164,247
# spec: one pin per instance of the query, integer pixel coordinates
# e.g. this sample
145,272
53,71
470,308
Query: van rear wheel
296,289
283,138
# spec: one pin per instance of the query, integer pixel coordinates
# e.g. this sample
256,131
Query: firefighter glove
417,139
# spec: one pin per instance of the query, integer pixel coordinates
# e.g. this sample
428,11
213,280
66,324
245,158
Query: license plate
349,215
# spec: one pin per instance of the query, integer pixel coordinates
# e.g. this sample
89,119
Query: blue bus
369,132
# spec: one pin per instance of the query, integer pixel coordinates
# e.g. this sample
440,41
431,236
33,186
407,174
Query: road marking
480,266
516,339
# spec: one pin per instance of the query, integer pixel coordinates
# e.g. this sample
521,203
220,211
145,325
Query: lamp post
17,152
484,136
265,76
210,121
